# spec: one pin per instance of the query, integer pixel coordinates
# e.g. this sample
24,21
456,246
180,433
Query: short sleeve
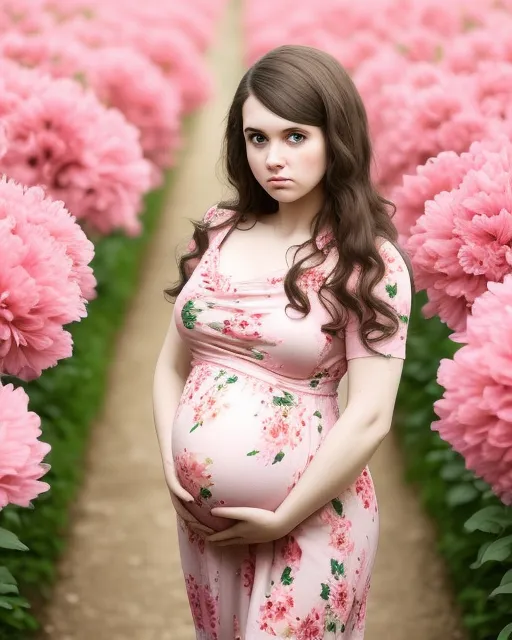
209,217
394,289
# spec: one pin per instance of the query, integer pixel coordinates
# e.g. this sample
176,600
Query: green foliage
474,527
68,397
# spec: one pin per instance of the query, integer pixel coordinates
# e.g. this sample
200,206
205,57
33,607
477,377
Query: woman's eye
257,138
296,138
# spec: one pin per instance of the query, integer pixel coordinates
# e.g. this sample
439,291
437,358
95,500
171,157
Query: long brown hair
308,86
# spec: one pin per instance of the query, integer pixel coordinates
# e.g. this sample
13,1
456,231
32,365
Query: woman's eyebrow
253,130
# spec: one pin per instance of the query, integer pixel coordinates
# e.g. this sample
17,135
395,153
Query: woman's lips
278,180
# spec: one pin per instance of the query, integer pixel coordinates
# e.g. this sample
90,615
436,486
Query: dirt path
120,579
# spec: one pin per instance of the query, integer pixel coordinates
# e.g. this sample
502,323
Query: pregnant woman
294,284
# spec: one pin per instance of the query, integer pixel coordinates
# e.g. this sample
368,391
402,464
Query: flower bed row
93,96
436,79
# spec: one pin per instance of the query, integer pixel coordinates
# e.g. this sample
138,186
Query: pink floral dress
260,398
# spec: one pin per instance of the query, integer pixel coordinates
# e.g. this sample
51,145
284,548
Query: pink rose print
311,627
193,475
361,612
194,597
277,606
291,553
248,570
341,599
364,489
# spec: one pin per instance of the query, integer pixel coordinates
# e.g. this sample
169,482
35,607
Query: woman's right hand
179,495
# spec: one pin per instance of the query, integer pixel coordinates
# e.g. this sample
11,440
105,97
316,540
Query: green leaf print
286,577
330,626
278,457
337,569
314,384
317,414
253,453
257,354
337,505
197,425
220,374
326,591
216,326
205,493
189,315
232,380
287,401
320,428
404,318
392,289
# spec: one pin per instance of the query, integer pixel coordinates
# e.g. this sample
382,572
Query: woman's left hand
255,526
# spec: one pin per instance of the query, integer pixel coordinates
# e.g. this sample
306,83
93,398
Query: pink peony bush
88,156
476,409
21,453
464,238
442,173
119,76
44,280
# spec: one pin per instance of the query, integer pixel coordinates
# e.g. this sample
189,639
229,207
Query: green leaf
9,541
287,401
392,289
286,577
337,569
491,520
317,414
453,470
498,551
507,578
197,424
505,633
337,505
278,457
6,576
483,548
319,428
404,319
461,494
8,588
205,493
257,354
5,604
331,626
506,588
253,453
232,380
326,591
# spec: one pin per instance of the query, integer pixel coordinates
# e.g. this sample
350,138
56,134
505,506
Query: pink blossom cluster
45,279
21,452
148,65
476,409
464,238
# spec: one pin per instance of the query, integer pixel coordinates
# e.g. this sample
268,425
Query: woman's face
287,159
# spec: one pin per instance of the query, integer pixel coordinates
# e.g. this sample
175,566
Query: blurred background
111,123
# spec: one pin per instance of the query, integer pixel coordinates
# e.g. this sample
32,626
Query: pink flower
291,552
464,239
277,607
476,409
62,137
21,453
340,599
44,278
365,489
311,627
193,474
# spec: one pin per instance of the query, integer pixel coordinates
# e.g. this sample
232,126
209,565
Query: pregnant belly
239,442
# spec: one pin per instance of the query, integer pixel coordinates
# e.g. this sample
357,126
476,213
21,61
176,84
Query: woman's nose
275,158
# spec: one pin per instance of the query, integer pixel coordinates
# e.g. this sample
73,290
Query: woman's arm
171,372
354,438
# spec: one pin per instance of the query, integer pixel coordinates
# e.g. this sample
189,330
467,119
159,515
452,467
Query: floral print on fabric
259,402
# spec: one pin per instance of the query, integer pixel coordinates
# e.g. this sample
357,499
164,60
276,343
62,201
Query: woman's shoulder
217,215
391,255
